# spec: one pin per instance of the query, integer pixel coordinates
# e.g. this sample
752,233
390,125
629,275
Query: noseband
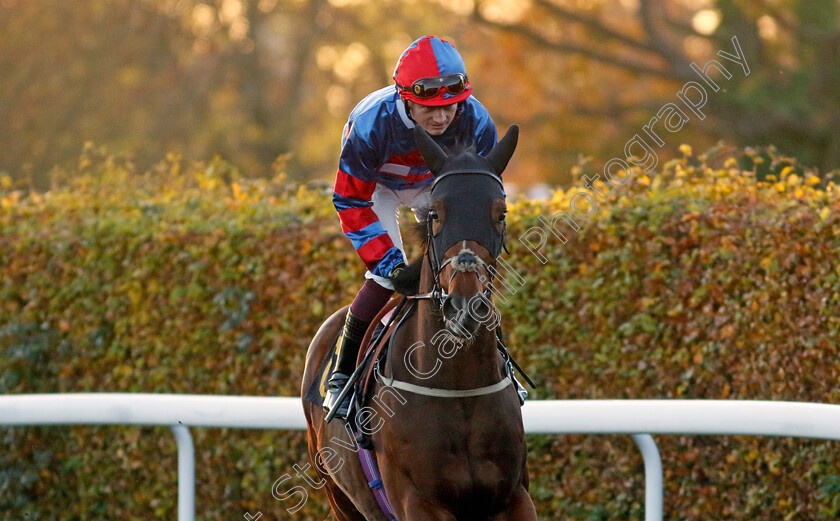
465,261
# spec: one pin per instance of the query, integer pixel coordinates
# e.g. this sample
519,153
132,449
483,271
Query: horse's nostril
480,309
466,261
466,258
450,309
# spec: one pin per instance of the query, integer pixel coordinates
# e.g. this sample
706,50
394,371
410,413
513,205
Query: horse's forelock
461,146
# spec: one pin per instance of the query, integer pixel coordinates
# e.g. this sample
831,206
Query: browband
470,171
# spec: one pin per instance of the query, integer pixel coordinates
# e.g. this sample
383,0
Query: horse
442,413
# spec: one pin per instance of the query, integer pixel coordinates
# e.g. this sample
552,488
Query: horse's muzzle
464,314
461,315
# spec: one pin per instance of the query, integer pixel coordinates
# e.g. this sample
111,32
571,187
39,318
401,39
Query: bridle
464,261
437,294
460,229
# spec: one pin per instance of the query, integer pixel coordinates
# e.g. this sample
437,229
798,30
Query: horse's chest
467,456
471,461
476,480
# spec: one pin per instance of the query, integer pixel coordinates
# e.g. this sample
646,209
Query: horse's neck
475,363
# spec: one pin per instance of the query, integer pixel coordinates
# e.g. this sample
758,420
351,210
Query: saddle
374,342
387,322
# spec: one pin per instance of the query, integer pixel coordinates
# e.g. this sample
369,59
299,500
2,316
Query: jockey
381,169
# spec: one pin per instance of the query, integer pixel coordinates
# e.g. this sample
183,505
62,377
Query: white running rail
638,418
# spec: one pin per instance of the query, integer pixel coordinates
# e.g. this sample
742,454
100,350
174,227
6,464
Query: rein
437,294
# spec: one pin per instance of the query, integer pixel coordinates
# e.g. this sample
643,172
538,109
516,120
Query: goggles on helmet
426,88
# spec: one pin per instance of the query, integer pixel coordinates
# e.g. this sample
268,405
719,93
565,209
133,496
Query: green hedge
716,278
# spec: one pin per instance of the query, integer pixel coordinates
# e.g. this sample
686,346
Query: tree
258,80
639,53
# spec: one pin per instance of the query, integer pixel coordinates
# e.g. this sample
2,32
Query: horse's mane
408,282
418,233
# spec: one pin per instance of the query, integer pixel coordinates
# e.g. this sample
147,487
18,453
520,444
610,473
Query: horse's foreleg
521,508
341,505
416,508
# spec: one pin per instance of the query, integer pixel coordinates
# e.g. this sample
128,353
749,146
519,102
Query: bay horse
442,413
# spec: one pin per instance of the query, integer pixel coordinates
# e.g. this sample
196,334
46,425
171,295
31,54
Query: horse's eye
502,217
433,215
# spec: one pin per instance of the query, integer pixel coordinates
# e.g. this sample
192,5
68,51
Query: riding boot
346,351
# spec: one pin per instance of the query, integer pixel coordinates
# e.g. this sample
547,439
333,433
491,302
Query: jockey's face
434,120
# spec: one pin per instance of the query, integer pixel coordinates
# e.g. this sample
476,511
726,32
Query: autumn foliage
717,278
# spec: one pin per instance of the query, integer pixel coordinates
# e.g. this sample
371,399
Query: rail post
186,472
653,476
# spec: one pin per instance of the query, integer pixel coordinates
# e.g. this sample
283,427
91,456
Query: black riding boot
346,351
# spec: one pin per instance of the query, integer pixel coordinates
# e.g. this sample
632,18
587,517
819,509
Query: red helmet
432,73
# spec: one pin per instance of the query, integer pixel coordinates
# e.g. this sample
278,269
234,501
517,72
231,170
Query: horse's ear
432,153
502,152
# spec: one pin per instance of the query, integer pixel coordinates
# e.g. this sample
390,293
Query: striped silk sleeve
352,197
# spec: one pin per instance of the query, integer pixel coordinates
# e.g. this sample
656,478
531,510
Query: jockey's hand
398,278
396,271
